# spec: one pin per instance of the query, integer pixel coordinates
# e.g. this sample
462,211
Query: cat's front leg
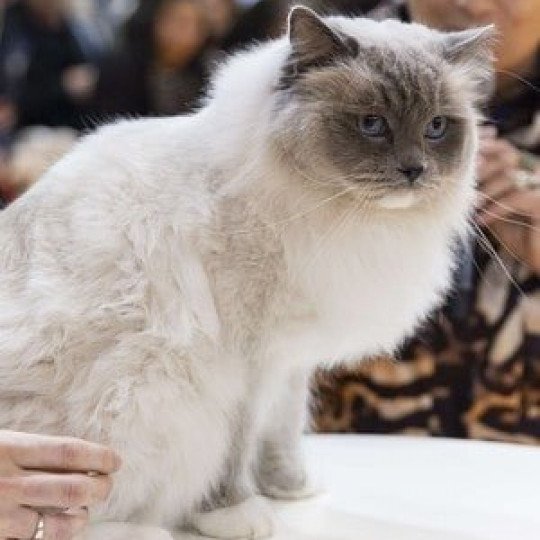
249,520
280,468
235,511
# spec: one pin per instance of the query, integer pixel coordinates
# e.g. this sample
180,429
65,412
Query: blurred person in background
252,22
96,23
32,152
221,16
171,46
35,150
7,191
45,78
352,8
474,370
160,67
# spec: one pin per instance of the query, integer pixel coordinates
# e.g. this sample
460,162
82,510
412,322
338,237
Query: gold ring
40,529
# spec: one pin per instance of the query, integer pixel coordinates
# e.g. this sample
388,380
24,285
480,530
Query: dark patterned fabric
474,369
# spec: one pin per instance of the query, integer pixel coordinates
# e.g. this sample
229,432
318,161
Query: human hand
510,212
498,160
56,478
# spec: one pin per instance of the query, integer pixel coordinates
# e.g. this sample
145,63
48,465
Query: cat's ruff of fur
156,295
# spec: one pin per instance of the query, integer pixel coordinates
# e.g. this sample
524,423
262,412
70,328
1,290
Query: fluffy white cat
168,287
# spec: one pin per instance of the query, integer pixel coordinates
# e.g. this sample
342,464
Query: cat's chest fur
362,292
314,293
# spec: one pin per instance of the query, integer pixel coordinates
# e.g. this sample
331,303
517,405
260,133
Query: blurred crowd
69,65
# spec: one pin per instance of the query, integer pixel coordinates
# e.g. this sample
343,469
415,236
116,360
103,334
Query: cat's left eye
373,126
436,129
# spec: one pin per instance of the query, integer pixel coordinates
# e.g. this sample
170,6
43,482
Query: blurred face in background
180,30
518,23
50,11
220,16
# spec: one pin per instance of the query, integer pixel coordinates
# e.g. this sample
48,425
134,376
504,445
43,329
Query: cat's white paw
250,520
286,481
307,490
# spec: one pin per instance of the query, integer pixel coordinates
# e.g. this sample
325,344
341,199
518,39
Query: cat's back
113,216
146,163
126,173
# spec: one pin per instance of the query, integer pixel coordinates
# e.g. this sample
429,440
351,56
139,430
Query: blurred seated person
474,370
96,22
44,74
346,7
7,191
160,67
32,152
221,16
235,27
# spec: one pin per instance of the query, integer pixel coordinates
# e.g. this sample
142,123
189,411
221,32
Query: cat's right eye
373,126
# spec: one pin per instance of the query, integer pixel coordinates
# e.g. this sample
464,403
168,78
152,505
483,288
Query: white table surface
405,488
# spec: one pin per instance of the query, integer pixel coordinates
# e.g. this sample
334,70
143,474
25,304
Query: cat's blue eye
373,126
436,129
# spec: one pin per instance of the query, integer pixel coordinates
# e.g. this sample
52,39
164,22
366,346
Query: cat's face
383,110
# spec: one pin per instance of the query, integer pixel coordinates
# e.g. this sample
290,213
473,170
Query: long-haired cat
168,286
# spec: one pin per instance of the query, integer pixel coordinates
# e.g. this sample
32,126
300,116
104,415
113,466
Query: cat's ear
474,45
314,43
472,50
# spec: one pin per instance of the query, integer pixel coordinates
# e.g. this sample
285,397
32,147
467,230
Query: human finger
519,206
18,522
64,526
490,166
495,147
497,187
60,490
487,169
63,453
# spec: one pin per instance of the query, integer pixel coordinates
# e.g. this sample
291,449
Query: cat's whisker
504,206
479,269
504,245
517,77
334,227
481,272
376,191
298,215
324,202
511,221
343,177
484,241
